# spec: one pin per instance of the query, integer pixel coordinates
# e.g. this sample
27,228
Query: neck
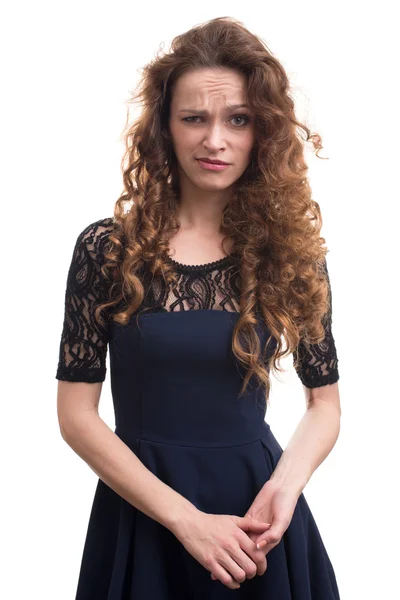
201,209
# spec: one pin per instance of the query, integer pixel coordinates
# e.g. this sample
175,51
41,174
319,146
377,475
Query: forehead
201,85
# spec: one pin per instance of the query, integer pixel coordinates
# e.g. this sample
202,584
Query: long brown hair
274,222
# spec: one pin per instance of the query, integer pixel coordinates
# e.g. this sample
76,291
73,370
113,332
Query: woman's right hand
220,543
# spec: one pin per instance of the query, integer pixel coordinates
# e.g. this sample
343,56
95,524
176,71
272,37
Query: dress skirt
175,388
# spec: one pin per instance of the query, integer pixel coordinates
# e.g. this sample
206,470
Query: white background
67,72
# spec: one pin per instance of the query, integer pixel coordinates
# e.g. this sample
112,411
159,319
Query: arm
310,444
318,430
82,369
313,439
112,460
203,535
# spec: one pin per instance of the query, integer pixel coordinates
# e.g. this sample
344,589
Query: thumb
273,535
250,524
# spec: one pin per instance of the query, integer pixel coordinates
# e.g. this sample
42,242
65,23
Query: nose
214,138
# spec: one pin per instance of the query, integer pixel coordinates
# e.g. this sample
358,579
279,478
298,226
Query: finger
273,535
255,534
257,527
250,524
266,547
220,574
257,556
248,520
255,520
238,564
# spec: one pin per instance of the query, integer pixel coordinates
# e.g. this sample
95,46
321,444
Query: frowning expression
209,118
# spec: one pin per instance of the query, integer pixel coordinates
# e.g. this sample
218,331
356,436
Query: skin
220,542
203,123
221,133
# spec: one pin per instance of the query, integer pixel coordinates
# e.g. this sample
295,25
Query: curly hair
274,222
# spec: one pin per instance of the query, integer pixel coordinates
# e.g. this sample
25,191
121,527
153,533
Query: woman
192,289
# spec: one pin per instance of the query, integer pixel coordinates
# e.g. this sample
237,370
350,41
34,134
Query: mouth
212,165
212,162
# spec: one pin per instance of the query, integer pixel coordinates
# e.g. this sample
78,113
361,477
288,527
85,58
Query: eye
245,117
187,119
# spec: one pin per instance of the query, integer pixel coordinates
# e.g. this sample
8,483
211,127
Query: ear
165,133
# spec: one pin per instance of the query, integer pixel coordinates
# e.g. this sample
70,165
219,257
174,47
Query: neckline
211,266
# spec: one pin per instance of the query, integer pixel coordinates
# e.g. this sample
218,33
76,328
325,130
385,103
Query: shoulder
97,232
93,239
91,245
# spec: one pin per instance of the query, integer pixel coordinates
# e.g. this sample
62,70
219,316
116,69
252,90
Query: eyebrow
204,112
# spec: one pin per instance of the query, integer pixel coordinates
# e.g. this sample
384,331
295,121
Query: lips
213,162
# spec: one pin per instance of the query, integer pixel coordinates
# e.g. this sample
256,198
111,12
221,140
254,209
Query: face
203,125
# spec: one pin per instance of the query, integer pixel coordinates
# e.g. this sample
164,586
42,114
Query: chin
221,184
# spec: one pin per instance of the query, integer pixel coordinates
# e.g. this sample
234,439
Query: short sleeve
318,363
83,345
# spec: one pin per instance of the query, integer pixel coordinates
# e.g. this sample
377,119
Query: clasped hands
274,505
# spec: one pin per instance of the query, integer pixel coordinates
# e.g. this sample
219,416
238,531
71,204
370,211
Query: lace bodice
215,285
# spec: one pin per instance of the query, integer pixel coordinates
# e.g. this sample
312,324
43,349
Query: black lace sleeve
318,364
83,346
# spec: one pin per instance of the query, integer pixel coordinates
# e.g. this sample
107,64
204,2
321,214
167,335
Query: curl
272,218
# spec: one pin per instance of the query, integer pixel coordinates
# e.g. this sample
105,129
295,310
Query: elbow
66,430
333,408
327,395
76,402
63,430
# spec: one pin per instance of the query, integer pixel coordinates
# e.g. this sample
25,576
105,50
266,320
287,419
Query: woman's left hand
273,504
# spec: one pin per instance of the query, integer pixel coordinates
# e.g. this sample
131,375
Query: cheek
244,142
185,139
246,146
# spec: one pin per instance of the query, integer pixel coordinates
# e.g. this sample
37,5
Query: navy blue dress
175,387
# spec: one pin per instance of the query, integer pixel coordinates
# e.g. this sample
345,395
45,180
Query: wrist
287,477
182,518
